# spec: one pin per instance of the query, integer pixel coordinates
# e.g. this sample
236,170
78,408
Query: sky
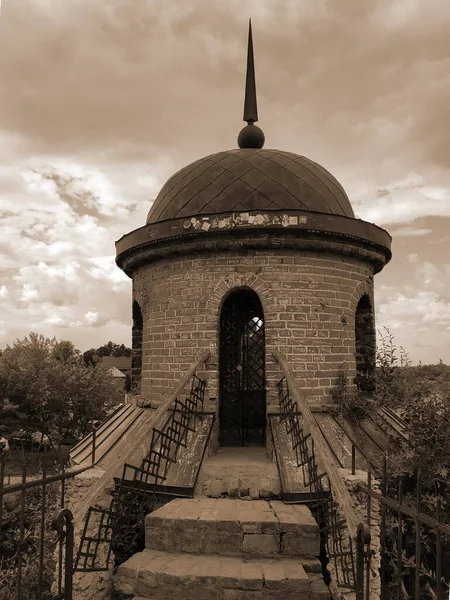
101,102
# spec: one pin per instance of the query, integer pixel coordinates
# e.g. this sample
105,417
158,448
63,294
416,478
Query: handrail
340,492
123,514
32,483
158,417
87,439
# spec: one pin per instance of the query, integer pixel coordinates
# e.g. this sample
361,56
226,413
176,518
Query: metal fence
116,533
337,544
414,525
36,532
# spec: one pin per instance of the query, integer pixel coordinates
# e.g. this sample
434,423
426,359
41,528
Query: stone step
155,575
250,528
239,473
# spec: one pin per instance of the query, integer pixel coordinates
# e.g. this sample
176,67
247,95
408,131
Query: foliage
30,549
46,387
420,395
128,533
349,401
93,355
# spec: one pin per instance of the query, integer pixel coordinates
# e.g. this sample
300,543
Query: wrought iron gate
242,412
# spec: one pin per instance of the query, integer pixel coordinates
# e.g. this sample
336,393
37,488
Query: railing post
63,525
362,540
94,439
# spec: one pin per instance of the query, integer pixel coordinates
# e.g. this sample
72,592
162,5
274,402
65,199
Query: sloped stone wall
87,586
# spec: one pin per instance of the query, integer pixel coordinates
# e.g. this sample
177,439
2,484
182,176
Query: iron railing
35,563
91,439
118,529
413,548
414,538
337,545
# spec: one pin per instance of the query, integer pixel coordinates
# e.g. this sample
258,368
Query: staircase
106,435
225,549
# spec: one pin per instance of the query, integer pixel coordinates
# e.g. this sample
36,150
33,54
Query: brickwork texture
309,301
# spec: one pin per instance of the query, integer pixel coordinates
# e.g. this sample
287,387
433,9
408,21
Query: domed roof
250,179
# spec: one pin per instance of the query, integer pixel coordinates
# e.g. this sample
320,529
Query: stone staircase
226,549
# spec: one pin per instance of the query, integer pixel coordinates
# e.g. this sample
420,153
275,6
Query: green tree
45,386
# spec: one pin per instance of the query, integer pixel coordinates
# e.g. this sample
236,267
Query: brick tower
245,252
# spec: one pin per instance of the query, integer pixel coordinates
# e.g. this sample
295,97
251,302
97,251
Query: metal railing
340,546
118,529
404,528
35,563
414,538
343,537
89,443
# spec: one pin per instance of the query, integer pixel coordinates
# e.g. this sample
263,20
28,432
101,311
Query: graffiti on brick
242,219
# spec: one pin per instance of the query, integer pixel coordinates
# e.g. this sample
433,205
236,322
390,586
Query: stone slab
160,576
233,528
239,473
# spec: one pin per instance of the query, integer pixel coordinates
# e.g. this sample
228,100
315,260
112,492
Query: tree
45,386
112,349
93,355
90,357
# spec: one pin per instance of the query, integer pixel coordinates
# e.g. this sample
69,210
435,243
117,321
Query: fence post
353,459
94,439
362,540
63,525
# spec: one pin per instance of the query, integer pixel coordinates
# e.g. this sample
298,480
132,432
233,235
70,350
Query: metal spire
250,106
251,136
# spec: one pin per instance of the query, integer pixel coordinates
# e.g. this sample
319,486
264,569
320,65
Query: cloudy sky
101,101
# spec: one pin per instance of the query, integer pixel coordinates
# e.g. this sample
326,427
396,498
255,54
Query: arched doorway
242,376
365,345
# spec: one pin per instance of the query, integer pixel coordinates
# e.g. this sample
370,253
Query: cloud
418,313
91,317
100,104
406,200
57,250
410,232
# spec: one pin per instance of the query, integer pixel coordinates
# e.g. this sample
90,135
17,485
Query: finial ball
251,136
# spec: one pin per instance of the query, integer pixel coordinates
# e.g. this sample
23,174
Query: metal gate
242,410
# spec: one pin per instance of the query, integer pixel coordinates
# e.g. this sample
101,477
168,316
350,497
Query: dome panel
250,179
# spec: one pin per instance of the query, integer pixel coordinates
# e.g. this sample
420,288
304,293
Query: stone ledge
233,528
159,575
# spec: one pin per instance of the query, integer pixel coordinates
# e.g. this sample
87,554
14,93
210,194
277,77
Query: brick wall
309,301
